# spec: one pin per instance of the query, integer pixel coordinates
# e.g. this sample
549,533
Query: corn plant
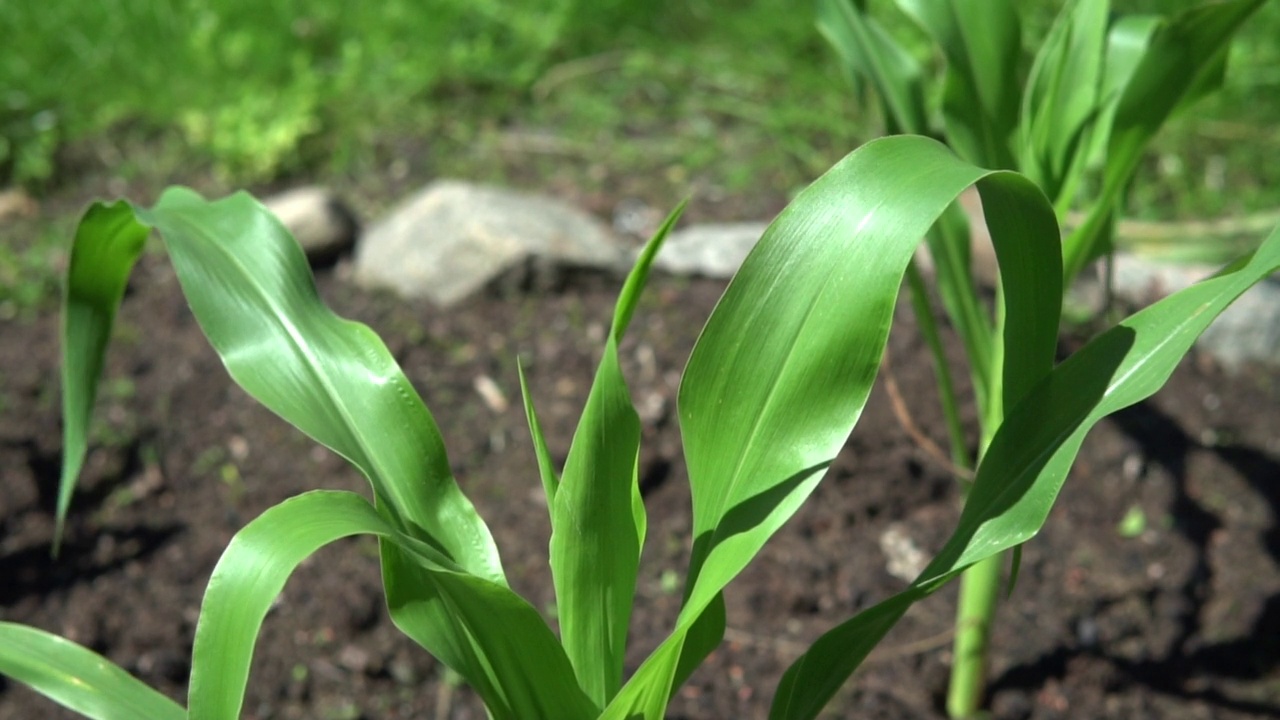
770,394
1097,90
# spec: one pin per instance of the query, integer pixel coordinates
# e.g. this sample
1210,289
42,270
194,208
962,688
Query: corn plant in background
770,394
1097,90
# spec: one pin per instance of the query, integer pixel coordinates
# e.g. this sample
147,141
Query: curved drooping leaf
1179,55
537,680
1028,461
784,366
250,288
78,678
595,551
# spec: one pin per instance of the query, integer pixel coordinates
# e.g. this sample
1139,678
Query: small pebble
353,658
490,393
1132,467
1087,632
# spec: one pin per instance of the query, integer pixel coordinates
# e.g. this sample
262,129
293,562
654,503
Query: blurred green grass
615,97
259,88
255,89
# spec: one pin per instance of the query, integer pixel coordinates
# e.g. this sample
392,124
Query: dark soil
1179,620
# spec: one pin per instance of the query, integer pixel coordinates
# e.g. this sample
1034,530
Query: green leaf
1127,41
108,242
78,678
250,288
949,246
1028,460
868,52
1178,57
1062,98
981,90
598,520
526,673
784,366
546,468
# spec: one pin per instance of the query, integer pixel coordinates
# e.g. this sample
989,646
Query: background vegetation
715,97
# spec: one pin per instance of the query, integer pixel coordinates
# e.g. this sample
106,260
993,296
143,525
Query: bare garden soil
1174,615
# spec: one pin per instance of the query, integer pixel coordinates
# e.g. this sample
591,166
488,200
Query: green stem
979,590
941,370
980,584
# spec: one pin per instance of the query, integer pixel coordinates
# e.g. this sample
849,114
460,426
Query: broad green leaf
784,366
526,673
598,519
981,90
1062,96
870,53
1178,57
250,288
78,678
107,244
1029,459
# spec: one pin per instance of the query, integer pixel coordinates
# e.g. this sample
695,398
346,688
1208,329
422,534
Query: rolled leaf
981,88
1062,98
108,242
869,53
598,519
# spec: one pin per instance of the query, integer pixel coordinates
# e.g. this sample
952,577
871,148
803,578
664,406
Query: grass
653,100
258,89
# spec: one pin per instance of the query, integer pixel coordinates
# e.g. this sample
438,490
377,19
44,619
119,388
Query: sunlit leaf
250,289
527,675
1028,461
598,519
78,678
1178,57
783,368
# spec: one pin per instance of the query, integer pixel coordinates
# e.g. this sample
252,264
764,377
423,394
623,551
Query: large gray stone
322,224
452,238
1248,332
713,250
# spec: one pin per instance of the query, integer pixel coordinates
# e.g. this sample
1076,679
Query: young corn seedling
1096,92
771,392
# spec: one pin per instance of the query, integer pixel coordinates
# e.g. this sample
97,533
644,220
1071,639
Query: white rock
321,223
713,250
903,557
452,238
1247,332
